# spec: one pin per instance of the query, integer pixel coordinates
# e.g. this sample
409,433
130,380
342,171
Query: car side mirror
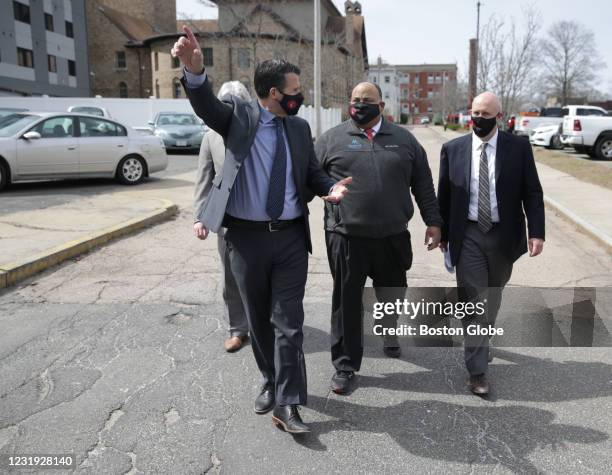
31,135
151,123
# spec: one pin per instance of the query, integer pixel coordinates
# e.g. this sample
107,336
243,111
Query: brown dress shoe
479,385
233,343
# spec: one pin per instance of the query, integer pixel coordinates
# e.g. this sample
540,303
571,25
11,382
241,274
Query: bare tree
571,60
507,57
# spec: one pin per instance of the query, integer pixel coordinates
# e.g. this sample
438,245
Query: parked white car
591,134
54,145
548,136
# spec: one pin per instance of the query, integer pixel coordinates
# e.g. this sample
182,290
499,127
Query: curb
14,272
584,226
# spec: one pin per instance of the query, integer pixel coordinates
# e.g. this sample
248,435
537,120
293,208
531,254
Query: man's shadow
453,432
527,379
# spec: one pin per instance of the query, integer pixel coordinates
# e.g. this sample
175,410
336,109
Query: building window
430,94
417,110
157,88
176,88
120,60
416,79
69,30
430,79
387,79
374,79
49,22
52,63
25,58
156,60
176,62
244,58
387,95
207,55
123,89
21,11
71,68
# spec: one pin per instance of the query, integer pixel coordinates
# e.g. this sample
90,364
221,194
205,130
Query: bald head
486,105
366,92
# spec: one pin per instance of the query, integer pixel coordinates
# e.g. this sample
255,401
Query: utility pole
317,68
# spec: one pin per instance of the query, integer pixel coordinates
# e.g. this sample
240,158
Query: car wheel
131,170
4,176
555,142
603,148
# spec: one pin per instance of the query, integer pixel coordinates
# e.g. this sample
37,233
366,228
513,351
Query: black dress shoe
343,382
288,418
392,351
265,401
479,385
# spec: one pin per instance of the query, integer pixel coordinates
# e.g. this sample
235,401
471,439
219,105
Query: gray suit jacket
210,163
237,121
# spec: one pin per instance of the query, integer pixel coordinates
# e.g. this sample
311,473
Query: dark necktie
484,199
278,175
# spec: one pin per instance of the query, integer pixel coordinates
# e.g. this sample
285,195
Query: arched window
176,88
157,88
123,89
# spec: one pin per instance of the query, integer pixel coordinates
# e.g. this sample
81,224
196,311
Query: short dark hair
271,73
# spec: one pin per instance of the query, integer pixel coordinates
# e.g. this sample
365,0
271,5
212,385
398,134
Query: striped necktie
484,198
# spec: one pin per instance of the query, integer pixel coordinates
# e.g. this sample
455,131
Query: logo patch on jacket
355,144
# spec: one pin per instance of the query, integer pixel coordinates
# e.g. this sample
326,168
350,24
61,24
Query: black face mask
363,112
291,104
482,127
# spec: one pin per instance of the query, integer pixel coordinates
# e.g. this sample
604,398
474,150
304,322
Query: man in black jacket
484,224
367,233
269,171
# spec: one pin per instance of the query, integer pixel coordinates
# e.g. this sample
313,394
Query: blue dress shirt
249,194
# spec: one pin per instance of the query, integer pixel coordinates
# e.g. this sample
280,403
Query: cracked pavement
117,357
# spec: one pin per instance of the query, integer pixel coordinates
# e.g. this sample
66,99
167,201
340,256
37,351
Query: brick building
427,90
130,46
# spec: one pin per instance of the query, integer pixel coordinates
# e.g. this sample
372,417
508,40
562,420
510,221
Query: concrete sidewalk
584,204
34,240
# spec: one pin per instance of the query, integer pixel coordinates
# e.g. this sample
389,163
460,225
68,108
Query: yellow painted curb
17,271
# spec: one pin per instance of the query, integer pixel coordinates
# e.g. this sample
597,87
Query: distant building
130,45
427,90
43,48
385,75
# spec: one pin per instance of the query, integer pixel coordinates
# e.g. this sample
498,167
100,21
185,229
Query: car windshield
89,110
177,119
11,124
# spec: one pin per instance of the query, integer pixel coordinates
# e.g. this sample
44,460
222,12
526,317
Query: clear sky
437,31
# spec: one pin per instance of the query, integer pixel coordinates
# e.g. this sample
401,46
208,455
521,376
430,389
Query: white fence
137,112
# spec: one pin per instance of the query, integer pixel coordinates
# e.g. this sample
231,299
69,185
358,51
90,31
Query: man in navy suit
488,185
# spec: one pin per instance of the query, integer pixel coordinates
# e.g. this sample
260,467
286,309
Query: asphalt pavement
117,358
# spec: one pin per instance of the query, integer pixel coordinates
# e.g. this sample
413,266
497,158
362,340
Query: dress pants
351,261
238,325
482,273
270,269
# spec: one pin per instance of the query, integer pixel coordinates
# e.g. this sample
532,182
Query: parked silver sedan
178,130
54,145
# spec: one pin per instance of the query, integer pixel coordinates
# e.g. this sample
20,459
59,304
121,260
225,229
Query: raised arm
215,113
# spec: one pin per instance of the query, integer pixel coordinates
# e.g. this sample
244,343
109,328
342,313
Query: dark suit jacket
236,121
517,187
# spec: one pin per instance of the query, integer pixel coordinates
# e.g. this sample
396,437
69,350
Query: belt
493,223
271,226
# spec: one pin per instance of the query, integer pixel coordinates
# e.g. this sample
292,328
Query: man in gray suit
269,172
212,155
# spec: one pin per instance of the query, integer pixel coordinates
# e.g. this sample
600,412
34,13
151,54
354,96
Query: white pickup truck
552,116
588,131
